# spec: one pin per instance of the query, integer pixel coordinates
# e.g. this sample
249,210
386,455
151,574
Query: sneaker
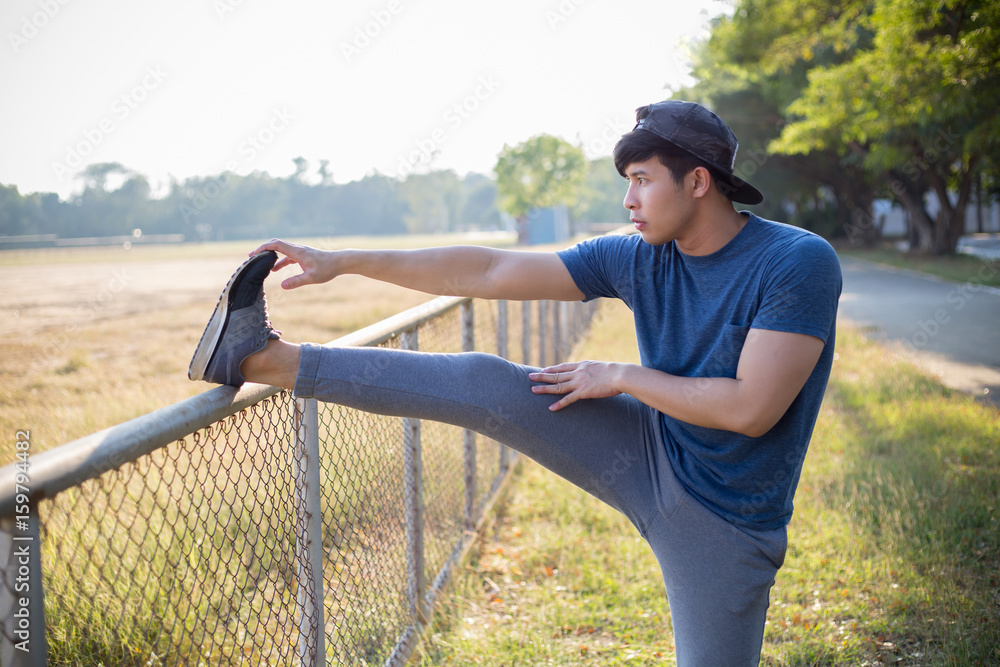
239,326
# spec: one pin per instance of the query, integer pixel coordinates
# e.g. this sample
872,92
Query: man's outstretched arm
772,370
475,271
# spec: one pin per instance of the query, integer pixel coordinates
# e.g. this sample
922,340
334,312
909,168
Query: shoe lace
267,326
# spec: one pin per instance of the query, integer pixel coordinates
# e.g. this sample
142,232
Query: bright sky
196,87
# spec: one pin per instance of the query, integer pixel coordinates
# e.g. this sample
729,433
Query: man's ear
701,178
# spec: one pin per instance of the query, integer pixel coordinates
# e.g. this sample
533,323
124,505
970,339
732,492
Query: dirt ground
95,337
73,293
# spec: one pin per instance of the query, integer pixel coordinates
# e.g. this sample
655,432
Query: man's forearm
720,403
452,270
485,273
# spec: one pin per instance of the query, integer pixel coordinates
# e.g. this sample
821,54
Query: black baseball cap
700,132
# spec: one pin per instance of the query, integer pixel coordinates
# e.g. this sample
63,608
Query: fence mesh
187,555
182,557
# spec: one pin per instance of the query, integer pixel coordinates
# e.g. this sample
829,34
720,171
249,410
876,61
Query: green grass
894,553
957,268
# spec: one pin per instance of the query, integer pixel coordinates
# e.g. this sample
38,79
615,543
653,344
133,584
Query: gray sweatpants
717,575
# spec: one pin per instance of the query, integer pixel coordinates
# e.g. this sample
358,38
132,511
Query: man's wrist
623,377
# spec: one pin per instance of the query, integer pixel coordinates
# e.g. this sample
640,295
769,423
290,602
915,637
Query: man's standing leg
718,579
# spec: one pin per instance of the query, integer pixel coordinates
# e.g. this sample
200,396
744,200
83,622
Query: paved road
951,329
986,246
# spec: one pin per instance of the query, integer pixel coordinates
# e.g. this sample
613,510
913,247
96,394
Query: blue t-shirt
692,316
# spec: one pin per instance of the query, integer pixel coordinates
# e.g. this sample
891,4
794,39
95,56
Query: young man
735,321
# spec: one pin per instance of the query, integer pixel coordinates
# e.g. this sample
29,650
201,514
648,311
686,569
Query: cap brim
739,190
735,187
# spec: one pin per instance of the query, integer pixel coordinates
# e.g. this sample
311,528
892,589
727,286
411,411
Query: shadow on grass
896,544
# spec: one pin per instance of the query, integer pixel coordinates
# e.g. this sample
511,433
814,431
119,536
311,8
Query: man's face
659,208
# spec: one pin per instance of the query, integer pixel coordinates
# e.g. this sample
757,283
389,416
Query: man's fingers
561,388
274,244
295,281
550,379
560,368
554,374
288,257
566,400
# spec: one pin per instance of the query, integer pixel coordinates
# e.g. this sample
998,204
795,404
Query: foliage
840,103
600,198
915,105
540,172
753,65
439,201
115,200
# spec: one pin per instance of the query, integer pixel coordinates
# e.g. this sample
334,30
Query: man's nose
630,201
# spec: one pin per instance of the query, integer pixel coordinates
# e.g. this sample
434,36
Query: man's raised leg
609,447
277,364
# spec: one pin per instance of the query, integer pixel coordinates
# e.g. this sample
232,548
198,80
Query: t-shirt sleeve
598,266
801,289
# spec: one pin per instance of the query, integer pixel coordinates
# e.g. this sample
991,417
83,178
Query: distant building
544,225
892,218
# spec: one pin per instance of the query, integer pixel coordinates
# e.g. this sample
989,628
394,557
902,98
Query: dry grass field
95,336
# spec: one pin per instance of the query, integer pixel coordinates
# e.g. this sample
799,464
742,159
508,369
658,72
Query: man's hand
772,370
318,266
578,379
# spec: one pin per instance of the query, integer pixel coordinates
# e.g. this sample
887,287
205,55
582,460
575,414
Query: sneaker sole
210,337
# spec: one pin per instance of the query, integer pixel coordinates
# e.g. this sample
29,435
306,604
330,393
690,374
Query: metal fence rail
245,527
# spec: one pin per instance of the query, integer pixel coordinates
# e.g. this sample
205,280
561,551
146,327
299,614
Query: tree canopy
864,99
540,172
114,200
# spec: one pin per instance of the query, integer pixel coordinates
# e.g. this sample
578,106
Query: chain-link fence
250,528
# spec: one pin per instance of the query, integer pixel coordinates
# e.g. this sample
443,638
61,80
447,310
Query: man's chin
651,238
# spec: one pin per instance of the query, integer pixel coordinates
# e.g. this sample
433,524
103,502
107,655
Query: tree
540,172
479,207
434,201
915,106
301,166
96,176
601,194
752,67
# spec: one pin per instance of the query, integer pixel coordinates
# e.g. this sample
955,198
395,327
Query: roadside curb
919,274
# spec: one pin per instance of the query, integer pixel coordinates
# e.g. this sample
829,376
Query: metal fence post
559,331
413,489
309,535
526,333
543,333
22,605
469,345
502,352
